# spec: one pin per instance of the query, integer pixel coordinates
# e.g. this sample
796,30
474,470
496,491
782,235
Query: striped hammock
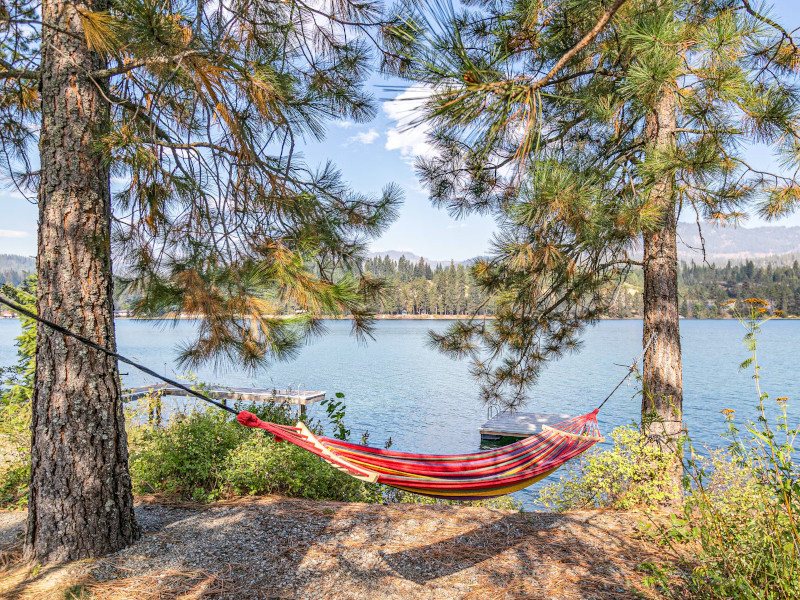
472,476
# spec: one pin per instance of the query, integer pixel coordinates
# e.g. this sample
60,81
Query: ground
278,548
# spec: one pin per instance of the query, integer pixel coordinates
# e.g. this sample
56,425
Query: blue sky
369,156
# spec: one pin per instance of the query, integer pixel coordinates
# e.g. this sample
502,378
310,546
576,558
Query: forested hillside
417,288
13,268
421,290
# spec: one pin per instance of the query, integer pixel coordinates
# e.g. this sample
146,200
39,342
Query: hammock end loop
248,419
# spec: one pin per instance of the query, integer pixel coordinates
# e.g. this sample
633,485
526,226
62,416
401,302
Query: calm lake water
396,386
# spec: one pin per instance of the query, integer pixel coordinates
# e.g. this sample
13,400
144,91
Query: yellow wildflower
782,400
728,412
756,302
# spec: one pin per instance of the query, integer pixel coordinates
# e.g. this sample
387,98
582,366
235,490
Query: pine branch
144,62
20,74
585,41
767,21
142,114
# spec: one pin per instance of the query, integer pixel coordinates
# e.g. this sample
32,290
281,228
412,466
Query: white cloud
363,137
408,137
12,233
344,124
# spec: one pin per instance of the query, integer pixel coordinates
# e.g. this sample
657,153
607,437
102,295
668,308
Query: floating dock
517,424
301,398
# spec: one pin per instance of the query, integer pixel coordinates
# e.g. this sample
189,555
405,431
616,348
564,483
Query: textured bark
80,495
662,401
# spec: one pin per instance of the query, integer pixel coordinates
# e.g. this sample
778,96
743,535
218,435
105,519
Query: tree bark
662,400
81,503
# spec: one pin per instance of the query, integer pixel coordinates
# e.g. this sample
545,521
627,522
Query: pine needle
99,27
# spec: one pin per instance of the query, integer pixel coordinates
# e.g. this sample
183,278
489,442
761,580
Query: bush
262,466
632,473
14,486
746,527
205,455
740,523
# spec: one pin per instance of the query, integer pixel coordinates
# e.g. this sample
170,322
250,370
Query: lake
397,387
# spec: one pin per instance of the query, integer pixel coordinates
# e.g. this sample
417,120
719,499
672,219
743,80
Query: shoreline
391,317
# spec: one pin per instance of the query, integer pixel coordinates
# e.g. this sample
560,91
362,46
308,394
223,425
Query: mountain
737,244
14,268
774,243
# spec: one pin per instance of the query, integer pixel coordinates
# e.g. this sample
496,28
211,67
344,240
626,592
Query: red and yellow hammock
472,476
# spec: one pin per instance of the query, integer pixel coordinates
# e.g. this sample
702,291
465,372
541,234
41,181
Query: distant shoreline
390,317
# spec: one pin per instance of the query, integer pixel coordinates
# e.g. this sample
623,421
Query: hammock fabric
453,477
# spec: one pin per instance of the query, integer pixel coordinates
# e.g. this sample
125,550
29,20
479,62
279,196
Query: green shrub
744,511
632,473
187,456
741,513
263,466
14,485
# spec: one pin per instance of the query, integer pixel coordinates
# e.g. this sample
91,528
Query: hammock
451,477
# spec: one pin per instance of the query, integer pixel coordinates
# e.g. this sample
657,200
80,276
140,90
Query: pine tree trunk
80,495
662,401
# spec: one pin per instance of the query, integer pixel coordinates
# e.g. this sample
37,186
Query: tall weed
748,528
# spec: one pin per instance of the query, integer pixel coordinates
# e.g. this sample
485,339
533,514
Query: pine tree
586,128
166,135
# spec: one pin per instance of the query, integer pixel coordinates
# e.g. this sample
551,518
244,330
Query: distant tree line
705,289
417,288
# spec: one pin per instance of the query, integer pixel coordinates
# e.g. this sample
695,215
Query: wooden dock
301,398
517,424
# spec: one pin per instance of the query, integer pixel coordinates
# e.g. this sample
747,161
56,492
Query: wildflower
761,311
728,412
777,313
782,400
756,302
729,302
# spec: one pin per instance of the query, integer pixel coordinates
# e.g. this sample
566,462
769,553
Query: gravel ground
12,526
277,548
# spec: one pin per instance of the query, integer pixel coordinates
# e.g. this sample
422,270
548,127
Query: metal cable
24,311
631,369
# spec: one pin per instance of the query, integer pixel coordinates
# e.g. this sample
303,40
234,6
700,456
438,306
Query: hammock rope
477,475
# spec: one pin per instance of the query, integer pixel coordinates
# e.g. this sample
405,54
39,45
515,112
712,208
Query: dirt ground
277,548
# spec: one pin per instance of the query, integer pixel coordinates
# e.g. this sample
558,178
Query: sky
370,155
